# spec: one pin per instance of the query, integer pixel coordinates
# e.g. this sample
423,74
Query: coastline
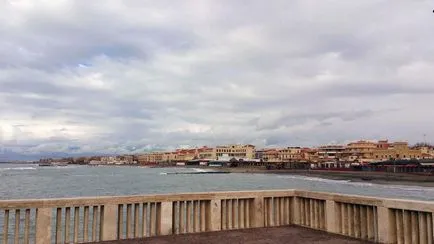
384,178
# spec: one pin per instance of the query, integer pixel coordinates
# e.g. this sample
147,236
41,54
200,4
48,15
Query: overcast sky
117,76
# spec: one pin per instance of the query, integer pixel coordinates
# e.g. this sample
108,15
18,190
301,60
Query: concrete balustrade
78,220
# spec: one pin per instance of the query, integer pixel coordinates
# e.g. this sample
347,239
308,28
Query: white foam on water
17,168
163,173
362,184
202,170
300,177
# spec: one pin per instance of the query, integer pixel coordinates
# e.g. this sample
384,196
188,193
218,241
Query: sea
30,181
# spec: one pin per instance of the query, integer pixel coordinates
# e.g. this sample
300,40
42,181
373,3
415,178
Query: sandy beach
372,177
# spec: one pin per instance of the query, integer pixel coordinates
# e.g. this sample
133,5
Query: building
360,151
208,153
331,153
291,154
183,155
150,158
271,155
236,151
398,151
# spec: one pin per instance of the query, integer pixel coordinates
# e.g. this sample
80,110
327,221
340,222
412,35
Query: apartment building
207,153
152,157
360,151
271,155
398,150
290,154
331,152
237,151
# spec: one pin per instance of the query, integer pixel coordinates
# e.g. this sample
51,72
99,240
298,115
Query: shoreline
383,178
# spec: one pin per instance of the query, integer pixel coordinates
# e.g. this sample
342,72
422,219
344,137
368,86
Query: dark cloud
116,77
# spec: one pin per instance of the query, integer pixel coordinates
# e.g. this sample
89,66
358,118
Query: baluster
363,222
120,221
224,215
202,216
94,222
76,223
350,219
6,226
27,227
399,226
145,220
415,228
276,203
229,213
188,217
407,226
17,226
247,213
422,228
181,217
67,224
153,218
58,225
86,224
429,228
136,220
196,218
282,211
371,223
357,220
129,220
241,211
345,219
266,213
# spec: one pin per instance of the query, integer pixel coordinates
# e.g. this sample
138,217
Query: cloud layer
124,76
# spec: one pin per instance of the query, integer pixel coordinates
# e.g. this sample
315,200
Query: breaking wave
17,168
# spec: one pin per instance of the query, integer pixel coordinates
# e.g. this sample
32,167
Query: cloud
127,76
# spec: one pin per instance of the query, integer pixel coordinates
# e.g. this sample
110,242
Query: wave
202,170
17,168
361,184
299,177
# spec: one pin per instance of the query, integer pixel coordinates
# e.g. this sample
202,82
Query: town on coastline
379,155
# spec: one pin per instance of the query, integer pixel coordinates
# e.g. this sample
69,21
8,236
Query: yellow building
290,154
361,151
152,157
237,151
271,155
208,153
398,150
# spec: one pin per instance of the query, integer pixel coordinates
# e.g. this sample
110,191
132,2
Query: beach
354,176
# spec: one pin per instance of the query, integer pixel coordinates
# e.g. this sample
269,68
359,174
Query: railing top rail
103,200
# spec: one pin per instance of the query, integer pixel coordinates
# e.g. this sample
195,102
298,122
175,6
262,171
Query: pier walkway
275,216
276,235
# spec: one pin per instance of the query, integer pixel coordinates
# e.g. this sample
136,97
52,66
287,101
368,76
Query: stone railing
78,220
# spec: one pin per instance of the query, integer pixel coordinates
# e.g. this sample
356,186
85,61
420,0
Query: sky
108,77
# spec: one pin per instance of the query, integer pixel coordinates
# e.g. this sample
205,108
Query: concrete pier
78,220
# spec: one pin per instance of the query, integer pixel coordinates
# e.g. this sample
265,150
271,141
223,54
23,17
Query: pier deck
276,235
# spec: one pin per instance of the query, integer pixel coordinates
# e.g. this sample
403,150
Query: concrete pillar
165,218
296,215
109,222
331,221
258,212
215,213
43,225
386,224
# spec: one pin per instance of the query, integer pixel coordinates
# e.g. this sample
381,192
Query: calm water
31,181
